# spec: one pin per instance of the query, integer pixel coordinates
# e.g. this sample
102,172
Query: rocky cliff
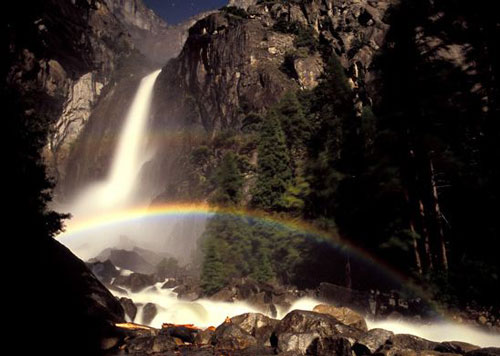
238,62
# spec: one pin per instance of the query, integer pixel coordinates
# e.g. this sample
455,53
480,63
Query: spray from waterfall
116,192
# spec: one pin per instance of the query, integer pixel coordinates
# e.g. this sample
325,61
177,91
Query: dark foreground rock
186,333
455,347
104,271
298,333
135,281
488,351
231,336
371,341
149,313
76,308
258,325
129,307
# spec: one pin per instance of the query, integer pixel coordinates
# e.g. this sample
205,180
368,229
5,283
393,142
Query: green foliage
273,167
200,155
212,274
251,123
168,267
293,121
306,38
228,181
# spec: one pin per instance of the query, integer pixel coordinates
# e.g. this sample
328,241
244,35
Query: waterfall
129,155
116,192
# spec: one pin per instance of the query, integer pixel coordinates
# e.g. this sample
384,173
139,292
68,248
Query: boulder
344,315
182,332
297,343
411,342
135,281
148,344
258,325
371,341
204,337
104,271
488,351
300,321
330,346
189,290
455,347
125,259
226,294
149,313
407,345
230,336
129,307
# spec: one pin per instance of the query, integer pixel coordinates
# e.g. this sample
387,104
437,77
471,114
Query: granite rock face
235,63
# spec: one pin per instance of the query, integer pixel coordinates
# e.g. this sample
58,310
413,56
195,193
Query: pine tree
229,181
212,274
273,167
293,121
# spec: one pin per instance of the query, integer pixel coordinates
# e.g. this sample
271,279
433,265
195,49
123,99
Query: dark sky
175,11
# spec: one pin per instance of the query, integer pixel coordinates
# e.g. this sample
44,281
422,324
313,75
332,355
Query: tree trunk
418,260
443,256
425,234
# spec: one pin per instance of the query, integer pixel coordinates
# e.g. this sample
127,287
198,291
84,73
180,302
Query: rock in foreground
298,333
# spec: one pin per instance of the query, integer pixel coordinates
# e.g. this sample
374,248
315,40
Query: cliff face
240,62
233,64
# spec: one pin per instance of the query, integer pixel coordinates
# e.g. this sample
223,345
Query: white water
204,313
116,192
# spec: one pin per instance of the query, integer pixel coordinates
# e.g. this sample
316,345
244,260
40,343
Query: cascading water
117,191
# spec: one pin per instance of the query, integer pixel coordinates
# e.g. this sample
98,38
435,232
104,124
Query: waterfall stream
116,192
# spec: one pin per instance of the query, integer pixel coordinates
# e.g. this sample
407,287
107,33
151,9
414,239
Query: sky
175,11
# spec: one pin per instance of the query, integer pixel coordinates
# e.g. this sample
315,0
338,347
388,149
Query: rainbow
201,209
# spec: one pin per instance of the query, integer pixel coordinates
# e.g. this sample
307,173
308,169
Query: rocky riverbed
327,331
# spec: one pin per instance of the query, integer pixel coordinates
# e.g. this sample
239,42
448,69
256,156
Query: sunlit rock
344,315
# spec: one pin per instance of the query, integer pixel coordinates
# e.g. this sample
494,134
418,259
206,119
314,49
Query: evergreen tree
229,181
212,274
293,122
273,167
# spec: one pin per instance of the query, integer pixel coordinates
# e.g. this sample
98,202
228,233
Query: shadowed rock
135,281
149,313
455,347
330,346
371,341
488,351
129,307
258,325
230,336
